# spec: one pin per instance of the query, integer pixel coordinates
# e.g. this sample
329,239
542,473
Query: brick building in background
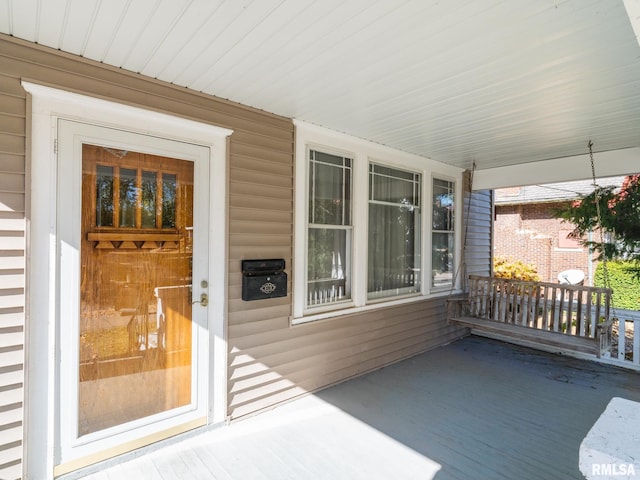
526,229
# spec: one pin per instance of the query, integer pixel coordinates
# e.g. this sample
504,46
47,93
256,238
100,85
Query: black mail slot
263,279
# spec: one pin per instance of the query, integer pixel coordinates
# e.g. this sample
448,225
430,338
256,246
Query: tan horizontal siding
249,214
257,192
245,176
261,203
11,125
411,326
266,141
261,166
12,106
11,182
12,144
12,162
260,152
12,202
12,273
247,227
356,327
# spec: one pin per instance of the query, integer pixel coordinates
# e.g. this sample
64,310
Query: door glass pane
128,197
168,200
135,328
104,196
149,186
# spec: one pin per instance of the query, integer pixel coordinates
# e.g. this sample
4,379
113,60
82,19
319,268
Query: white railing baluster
636,342
622,337
628,339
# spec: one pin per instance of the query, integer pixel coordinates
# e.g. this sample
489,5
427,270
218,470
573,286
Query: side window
442,233
329,234
394,232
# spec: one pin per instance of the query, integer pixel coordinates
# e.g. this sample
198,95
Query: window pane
443,205
442,259
149,199
443,216
104,196
394,232
394,250
128,197
329,189
328,266
168,201
395,186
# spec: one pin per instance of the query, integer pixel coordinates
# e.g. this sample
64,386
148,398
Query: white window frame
340,304
362,152
371,296
456,234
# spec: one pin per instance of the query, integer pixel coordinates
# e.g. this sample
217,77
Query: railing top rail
563,286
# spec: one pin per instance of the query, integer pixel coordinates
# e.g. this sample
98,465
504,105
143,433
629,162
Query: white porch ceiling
493,81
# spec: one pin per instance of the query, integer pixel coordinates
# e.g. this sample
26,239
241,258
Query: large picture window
329,231
443,234
394,232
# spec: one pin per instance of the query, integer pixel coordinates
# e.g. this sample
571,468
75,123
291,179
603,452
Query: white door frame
43,306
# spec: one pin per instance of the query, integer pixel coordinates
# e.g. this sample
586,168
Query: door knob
204,300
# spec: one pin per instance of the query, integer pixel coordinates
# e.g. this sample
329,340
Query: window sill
379,305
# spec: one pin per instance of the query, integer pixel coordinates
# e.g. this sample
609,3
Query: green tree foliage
620,217
623,279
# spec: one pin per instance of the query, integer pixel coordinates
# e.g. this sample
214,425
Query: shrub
507,268
624,281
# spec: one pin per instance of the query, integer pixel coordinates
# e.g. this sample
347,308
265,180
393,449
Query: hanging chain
456,273
605,269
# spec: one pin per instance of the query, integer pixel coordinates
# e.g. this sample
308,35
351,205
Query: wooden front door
129,321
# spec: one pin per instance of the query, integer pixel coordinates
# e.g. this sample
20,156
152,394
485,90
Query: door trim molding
42,351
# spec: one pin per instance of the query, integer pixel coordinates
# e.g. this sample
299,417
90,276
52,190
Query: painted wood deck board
477,408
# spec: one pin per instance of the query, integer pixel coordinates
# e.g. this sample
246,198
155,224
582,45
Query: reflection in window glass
128,197
148,199
168,200
104,196
394,232
442,217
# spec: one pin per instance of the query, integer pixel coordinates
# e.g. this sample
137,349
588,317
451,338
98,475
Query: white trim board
607,164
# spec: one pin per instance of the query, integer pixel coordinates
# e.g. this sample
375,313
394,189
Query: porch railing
626,339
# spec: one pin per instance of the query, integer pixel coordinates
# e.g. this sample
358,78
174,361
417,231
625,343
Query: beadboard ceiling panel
492,81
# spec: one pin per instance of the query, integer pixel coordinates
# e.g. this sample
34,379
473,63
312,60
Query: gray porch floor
475,409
